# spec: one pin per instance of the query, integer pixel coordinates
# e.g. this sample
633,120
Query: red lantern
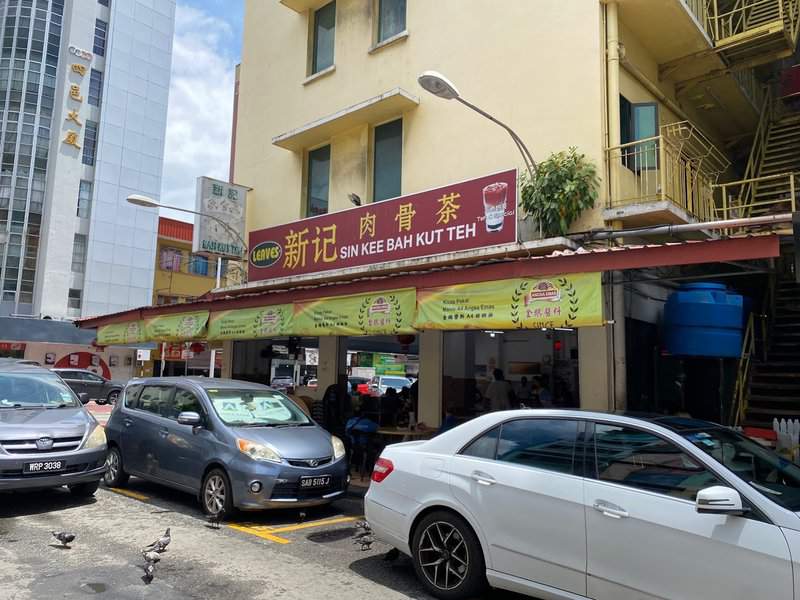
197,347
406,339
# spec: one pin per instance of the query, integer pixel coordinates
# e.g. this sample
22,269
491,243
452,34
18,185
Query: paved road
260,556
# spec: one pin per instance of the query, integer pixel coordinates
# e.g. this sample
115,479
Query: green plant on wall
562,187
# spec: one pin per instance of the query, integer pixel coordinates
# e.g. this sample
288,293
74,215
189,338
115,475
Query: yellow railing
737,199
726,22
750,86
699,9
741,391
679,166
757,152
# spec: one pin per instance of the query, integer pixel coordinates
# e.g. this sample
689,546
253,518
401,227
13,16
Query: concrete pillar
332,367
227,360
431,353
612,90
618,332
593,368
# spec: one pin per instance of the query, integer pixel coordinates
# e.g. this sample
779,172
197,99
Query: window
644,461
388,160
485,446
542,443
74,299
131,394
90,143
391,18
638,122
319,170
324,34
85,199
95,87
79,253
155,399
100,32
199,265
104,2
186,401
170,259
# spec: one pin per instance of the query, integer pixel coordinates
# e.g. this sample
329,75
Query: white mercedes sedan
566,505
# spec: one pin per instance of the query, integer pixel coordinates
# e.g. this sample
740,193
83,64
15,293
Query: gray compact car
96,387
47,438
232,443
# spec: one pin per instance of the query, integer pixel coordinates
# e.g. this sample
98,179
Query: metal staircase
779,169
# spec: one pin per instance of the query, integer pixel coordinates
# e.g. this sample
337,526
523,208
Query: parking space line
130,494
268,532
310,524
260,533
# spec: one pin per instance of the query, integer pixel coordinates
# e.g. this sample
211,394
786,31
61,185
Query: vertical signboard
219,226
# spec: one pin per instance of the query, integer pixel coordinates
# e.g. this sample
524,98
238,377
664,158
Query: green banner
121,333
250,323
177,328
382,313
559,301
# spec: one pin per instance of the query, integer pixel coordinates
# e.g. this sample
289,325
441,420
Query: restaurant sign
177,328
250,323
558,301
382,313
462,216
121,333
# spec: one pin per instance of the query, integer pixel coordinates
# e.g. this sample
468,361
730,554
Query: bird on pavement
160,545
214,520
149,570
64,537
151,557
363,536
301,517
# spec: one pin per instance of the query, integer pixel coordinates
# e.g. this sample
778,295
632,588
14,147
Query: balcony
664,179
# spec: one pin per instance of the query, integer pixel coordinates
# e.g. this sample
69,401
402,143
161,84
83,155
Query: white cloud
200,106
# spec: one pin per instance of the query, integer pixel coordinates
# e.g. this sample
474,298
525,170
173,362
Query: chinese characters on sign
448,219
71,136
219,229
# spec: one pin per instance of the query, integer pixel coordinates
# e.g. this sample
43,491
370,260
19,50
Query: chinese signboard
121,333
177,328
462,216
220,228
383,313
250,323
558,301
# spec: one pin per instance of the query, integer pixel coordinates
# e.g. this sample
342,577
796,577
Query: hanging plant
562,187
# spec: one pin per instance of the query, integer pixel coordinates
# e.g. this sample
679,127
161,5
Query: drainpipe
618,387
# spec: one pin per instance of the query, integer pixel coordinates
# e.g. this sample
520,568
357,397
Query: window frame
95,81
145,386
379,39
85,203
71,297
628,122
79,252
374,158
100,41
203,412
308,173
314,67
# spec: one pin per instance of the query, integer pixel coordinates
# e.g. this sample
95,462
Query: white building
83,100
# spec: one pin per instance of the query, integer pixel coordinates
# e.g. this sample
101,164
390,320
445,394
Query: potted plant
560,189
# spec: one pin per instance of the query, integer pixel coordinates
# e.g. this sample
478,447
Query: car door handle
163,432
128,422
610,510
483,479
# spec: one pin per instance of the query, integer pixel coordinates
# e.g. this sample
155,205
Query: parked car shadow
25,503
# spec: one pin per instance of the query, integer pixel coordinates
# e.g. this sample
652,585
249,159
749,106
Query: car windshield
256,408
398,383
773,476
35,390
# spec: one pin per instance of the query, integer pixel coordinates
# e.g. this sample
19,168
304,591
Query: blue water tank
704,319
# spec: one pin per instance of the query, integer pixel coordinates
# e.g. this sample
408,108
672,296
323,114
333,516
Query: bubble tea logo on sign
494,205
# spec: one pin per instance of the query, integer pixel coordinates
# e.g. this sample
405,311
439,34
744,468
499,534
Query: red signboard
462,216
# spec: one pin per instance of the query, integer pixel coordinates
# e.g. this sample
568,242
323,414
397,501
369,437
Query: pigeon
301,517
365,542
151,557
392,555
363,537
64,537
160,545
214,520
149,570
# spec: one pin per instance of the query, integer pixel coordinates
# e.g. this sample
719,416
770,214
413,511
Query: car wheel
112,397
216,496
447,557
115,475
84,490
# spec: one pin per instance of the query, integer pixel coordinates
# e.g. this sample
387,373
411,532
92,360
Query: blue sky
206,49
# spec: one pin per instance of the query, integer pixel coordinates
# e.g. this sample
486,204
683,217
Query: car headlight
97,439
338,448
258,451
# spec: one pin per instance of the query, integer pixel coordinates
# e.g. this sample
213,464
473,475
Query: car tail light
383,467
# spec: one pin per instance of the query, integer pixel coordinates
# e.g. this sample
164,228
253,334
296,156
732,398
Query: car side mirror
720,500
83,397
190,418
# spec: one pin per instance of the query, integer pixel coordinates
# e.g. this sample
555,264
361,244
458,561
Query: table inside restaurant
406,434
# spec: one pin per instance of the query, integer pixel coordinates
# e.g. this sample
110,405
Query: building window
104,2
388,160
170,259
100,32
638,121
319,171
90,143
79,253
85,199
391,18
199,265
95,87
324,34
74,299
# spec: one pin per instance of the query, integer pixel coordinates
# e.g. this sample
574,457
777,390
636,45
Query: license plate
45,466
321,481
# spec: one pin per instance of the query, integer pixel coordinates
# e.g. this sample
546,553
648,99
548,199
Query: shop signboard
219,226
177,328
116,334
462,216
250,323
573,300
381,313
387,364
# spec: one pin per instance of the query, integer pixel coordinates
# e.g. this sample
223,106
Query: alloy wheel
214,494
112,467
443,555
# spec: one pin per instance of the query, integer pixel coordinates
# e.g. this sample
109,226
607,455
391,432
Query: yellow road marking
313,524
130,494
268,533
259,533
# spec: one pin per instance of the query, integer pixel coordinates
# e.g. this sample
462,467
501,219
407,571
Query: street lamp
438,85
147,202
